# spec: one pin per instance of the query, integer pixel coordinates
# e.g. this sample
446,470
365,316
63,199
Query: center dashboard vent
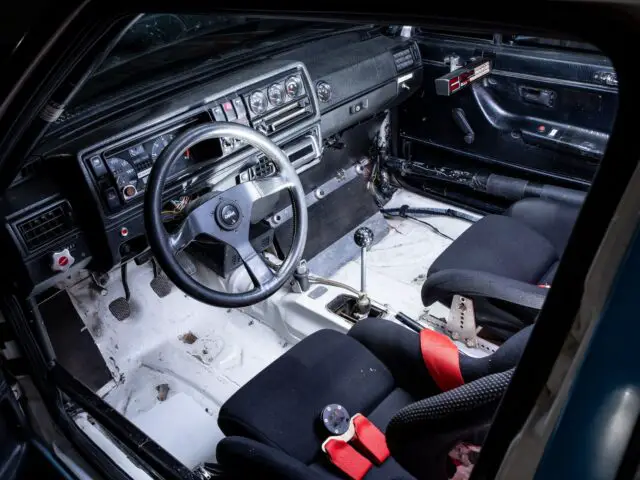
284,117
46,226
403,59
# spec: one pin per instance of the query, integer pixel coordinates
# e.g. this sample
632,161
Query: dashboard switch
112,199
98,167
229,112
239,106
218,114
62,260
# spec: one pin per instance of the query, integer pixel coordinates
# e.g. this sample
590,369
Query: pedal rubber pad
161,286
186,263
120,308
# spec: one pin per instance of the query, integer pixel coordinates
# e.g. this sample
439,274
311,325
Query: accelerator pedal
161,285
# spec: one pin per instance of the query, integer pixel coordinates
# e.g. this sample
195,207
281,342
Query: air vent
285,116
30,169
46,226
403,59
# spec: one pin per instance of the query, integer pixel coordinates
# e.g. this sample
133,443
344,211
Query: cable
434,229
446,212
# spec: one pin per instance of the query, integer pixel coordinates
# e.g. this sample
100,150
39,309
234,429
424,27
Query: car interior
299,249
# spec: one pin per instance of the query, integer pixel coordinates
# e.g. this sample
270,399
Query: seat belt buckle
369,439
355,451
344,456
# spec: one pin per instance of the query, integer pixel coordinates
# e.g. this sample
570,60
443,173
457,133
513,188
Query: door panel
542,115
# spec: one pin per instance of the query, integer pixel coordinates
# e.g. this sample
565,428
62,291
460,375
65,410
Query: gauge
258,102
123,172
293,86
324,91
276,94
160,143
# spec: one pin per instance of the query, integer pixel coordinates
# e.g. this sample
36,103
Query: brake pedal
120,307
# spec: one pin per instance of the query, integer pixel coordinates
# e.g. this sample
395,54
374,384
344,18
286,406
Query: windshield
168,44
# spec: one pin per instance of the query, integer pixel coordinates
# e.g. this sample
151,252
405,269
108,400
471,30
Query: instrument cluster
122,174
131,167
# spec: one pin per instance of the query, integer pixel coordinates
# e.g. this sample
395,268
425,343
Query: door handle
538,96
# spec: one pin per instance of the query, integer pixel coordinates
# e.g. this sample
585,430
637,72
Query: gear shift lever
363,237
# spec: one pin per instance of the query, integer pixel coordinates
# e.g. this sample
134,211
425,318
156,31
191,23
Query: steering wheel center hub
228,215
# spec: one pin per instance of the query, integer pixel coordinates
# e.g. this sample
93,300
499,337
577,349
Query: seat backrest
553,220
421,435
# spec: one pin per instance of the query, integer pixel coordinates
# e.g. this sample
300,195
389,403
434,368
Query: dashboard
78,202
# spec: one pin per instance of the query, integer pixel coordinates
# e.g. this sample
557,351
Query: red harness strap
369,439
346,458
440,356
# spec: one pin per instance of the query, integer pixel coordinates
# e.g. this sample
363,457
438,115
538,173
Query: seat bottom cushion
280,406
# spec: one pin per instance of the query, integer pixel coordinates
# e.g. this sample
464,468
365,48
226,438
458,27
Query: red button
124,231
227,106
63,261
541,128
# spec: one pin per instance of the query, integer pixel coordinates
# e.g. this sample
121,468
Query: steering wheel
225,217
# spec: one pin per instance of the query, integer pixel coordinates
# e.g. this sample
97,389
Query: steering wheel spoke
181,238
265,187
255,263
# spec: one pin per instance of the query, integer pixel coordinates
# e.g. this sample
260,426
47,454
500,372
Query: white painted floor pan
204,354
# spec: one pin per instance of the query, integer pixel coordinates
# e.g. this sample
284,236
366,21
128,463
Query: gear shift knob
363,237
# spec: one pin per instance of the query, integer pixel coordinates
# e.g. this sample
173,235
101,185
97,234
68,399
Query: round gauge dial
160,143
324,91
258,102
293,86
276,94
123,172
